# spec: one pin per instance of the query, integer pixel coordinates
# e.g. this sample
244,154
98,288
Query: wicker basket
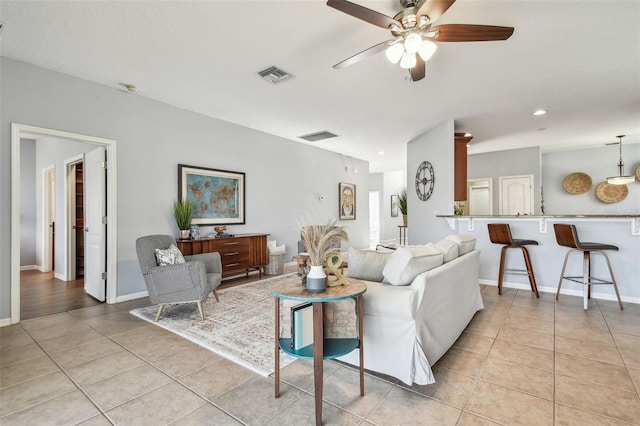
275,265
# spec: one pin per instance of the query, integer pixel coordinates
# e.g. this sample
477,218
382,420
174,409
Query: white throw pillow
170,256
407,263
275,250
366,264
465,242
271,244
449,248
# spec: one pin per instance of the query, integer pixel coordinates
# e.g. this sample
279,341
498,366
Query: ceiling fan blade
361,12
434,8
363,55
463,32
419,70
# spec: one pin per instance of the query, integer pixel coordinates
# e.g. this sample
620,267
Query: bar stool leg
564,266
503,254
613,279
586,279
532,278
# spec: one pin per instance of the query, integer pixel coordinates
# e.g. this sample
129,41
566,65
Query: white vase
316,279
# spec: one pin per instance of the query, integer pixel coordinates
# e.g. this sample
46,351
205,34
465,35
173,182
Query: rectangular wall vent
274,75
318,136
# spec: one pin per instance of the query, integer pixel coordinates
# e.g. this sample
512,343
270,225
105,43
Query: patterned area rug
240,327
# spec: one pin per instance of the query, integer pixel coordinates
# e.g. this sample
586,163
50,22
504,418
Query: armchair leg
200,309
215,293
160,308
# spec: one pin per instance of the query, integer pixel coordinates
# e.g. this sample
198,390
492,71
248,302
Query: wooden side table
321,349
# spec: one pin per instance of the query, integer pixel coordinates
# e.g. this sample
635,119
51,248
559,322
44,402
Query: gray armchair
187,282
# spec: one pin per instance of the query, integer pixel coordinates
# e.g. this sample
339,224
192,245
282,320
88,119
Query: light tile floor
521,361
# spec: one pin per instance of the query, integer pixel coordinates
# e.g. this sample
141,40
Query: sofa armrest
212,262
388,301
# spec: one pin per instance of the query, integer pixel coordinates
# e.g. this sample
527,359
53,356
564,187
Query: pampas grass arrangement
321,240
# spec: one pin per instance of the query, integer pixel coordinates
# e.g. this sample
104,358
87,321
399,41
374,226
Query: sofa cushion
448,248
406,263
366,264
465,242
169,256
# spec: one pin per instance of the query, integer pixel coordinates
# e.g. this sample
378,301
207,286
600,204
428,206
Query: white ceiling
580,60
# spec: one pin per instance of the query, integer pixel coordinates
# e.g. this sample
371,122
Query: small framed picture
347,201
394,206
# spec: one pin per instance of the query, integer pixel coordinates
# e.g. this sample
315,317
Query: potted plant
320,241
402,204
182,212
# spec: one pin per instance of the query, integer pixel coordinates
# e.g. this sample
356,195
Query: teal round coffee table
321,348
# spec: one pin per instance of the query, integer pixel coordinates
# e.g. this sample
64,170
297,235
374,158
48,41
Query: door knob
86,229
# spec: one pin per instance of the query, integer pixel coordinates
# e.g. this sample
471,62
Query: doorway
516,195
19,131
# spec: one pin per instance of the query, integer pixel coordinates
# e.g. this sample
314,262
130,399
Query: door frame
17,130
47,196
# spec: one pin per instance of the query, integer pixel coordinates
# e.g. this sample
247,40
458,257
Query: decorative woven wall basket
577,183
611,193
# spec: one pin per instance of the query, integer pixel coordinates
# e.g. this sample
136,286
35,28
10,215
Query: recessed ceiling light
540,112
468,135
380,152
130,87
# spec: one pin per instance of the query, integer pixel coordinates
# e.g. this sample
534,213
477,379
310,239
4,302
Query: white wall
598,163
512,162
28,178
282,177
437,147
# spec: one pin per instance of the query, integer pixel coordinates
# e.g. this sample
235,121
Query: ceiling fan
414,34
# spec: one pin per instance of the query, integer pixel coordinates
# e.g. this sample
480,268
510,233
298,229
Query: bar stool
566,235
500,233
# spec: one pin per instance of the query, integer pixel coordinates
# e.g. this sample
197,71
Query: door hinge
104,164
104,220
104,275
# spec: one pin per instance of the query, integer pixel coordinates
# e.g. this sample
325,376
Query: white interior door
480,201
516,195
94,176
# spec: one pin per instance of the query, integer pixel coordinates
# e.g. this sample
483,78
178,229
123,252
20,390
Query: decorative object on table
347,201
458,208
195,232
621,179
217,195
638,173
577,183
320,241
609,193
394,205
220,229
182,212
402,204
425,178
334,269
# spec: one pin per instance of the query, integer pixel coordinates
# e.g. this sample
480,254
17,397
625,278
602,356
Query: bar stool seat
567,236
500,233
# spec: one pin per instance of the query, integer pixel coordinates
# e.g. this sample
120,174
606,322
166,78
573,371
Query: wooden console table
292,289
239,254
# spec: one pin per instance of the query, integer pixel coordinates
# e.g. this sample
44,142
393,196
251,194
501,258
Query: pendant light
621,179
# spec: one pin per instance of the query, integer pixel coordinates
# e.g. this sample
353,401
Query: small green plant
402,201
182,211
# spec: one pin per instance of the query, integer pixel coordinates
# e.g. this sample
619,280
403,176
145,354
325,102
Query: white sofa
407,328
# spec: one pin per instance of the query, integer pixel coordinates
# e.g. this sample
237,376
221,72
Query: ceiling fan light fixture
408,60
427,49
621,179
412,42
394,52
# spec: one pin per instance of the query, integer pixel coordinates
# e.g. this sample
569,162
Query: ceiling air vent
274,75
318,136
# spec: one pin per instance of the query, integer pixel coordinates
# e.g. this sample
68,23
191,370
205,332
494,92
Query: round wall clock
424,180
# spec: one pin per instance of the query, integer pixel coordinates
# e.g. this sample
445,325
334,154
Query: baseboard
132,296
5,322
29,267
61,277
568,292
